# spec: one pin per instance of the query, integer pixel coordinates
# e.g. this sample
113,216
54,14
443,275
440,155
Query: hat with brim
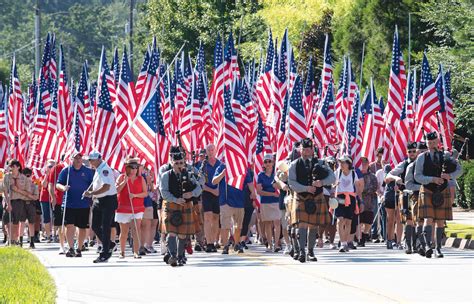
307,143
432,135
345,158
268,157
94,155
132,161
76,153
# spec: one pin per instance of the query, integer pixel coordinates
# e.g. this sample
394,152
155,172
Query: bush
465,192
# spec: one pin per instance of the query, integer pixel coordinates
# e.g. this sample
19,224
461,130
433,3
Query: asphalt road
371,274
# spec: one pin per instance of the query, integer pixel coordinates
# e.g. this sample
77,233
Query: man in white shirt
103,211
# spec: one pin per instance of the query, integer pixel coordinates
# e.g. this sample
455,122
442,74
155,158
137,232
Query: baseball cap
94,155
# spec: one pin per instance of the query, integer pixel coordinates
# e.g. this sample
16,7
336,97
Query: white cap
94,155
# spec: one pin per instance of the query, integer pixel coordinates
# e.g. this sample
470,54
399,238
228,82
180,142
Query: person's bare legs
277,230
145,232
124,227
209,232
136,241
390,224
70,232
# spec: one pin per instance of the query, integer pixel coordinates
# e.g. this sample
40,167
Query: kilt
409,215
197,218
426,209
320,217
187,227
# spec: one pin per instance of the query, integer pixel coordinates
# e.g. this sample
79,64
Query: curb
459,243
62,292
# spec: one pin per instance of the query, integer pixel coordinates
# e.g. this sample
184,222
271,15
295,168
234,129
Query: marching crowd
293,206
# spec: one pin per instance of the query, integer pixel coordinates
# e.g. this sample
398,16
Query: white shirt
104,175
380,174
345,183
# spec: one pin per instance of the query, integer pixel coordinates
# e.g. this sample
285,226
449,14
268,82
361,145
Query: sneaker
351,245
78,253
91,243
70,253
225,250
311,256
421,251
408,250
197,248
142,251
173,261
277,249
241,249
429,253
209,248
243,245
49,240
214,249
56,238
296,256
62,251
166,258
286,250
101,259
342,250
181,261
292,252
151,249
99,249
332,246
122,255
438,253
189,249
113,247
217,245
136,256
377,240
302,257
84,248
389,245
32,246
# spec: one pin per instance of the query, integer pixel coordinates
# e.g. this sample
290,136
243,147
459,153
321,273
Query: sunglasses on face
133,166
411,151
268,162
179,163
28,175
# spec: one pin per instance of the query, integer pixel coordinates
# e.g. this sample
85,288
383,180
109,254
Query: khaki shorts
231,217
148,214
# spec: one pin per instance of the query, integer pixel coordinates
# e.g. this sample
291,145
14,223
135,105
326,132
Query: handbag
437,198
310,206
176,218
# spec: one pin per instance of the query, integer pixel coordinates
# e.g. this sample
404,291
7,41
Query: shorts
38,208
6,218
210,203
367,217
231,217
57,215
79,217
125,218
346,212
22,211
270,212
147,215
46,211
390,204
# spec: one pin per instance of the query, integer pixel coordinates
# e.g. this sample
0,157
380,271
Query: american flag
3,127
16,129
53,69
368,128
262,148
182,95
106,139
309,93
142,76
449,117
231,67
282,147
187,126
397,82
353,134
151,77
41,116
339,101
217,88
326,73
116,66
65,111
442,116
324,128
429,101
402,137
410,104
29,106
379,122
264,82
296,119
125,104
235,158
44,93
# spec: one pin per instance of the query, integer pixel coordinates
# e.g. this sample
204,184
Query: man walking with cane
105,192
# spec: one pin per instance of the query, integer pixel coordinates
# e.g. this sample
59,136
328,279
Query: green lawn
459,230
23,279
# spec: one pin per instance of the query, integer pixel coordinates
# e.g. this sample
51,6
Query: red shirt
44,194
53,179
124,199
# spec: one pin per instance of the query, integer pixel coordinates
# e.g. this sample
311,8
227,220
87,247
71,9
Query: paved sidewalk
371,274
461,216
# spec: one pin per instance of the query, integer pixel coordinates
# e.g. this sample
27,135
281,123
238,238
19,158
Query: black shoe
99,249
277,249
342,249
197,247
292,252
389,245
32,245
429,252
439,254
302,257
351,245
113,245
217,246
101,259
173,261
243,245
311,256
225,250
421,251
142,251
241,249
78,253
236,247
84,248
91,243
296,256
209,248
166,258
408,250
5,239
376,240
214,249
181,262
70,253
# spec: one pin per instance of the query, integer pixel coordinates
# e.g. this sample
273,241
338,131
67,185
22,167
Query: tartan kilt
320,217
426,209
409,216
197,218
187,227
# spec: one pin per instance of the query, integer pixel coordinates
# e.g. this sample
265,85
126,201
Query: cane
134,219
65,199
10,224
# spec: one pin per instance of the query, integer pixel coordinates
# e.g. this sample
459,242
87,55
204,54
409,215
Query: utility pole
409,40
37,38
130,22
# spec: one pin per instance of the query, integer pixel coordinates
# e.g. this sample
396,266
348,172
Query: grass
459,231
23,279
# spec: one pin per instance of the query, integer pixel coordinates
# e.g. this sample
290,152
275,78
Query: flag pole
362,65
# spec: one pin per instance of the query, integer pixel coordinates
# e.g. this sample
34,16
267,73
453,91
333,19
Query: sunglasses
133,166
28,175
268,162
179,163
411,151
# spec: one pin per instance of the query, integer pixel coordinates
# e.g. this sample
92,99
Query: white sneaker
62,251
286,250
163,248
332,246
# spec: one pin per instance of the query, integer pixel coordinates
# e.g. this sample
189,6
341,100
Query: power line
18,50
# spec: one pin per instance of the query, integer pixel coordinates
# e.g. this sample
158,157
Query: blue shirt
231,196
209,170
266,182
79,181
